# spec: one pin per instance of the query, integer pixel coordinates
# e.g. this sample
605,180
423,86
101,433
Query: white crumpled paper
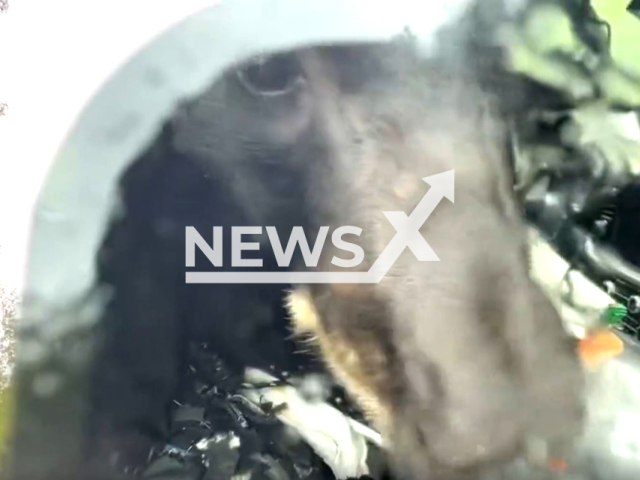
336,438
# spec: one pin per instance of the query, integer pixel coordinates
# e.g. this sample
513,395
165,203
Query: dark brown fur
457,362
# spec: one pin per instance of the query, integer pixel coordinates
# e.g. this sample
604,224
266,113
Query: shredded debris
260,425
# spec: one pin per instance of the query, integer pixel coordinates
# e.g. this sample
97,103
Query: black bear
458,362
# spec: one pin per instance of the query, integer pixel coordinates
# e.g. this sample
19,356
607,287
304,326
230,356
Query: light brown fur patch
344,359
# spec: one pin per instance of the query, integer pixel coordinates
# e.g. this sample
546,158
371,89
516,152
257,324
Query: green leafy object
548,28
7,416
625,33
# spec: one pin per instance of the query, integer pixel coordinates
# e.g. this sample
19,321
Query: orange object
599,347
558,465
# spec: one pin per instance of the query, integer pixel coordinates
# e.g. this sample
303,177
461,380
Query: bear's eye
271,75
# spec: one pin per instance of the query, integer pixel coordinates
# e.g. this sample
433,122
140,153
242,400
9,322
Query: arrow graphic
408,228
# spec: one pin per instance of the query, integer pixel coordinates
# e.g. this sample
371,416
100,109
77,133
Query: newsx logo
407,235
